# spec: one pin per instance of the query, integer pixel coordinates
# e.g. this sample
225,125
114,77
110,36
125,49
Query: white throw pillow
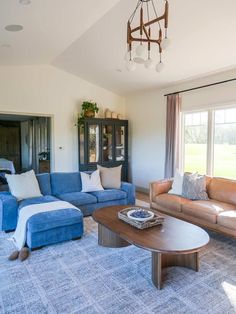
177,185
91,182
110,177
24,185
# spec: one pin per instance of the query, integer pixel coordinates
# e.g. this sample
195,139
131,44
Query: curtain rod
200,87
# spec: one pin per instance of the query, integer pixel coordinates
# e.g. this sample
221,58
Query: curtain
38,141
172,134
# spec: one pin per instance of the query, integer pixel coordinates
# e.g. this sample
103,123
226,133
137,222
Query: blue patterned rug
81,277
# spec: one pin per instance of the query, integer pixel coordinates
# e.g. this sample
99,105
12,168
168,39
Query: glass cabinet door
107,141
81,146
120,143
93,143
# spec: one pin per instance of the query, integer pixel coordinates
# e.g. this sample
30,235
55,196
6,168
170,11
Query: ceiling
88,39
50,26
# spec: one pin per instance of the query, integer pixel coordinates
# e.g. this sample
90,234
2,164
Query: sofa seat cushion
171,201
53,219
37,200
227,219
206,210
78,198
109,195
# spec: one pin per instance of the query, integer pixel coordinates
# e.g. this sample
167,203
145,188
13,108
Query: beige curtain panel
172,134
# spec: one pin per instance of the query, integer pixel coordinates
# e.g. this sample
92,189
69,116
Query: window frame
210,134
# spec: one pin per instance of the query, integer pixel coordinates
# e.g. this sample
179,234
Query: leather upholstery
171,201
207,210
218,213
227,219
223,190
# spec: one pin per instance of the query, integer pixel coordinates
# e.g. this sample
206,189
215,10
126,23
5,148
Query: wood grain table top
174,236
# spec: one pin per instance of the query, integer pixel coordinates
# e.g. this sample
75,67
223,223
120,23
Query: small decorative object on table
140,217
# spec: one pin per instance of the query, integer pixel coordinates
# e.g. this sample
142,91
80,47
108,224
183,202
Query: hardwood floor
142,197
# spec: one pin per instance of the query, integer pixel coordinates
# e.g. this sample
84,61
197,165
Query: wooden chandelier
149,31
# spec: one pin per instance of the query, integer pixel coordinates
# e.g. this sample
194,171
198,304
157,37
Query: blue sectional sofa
56,226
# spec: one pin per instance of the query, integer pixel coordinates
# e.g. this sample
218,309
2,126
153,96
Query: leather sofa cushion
223,190
171,201
206,210
227,219
109,195
78,198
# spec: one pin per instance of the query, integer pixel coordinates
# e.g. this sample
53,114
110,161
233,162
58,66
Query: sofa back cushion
68,182
44,181
222,190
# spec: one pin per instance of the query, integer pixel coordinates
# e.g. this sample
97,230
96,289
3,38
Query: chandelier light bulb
139,60
165,43
130,66
140,51
159,67
149,64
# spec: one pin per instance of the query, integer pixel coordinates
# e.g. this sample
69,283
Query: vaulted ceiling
88,38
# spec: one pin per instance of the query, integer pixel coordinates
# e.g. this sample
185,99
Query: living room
54,56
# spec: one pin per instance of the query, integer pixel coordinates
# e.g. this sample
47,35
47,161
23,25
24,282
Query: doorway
25,143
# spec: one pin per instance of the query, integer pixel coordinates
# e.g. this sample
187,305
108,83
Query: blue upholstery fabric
78,198
8,211
44,181
65,182
109,195
89,209
54,219
51,236
37,200
130,190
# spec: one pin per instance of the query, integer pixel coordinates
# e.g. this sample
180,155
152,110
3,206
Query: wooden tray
156,220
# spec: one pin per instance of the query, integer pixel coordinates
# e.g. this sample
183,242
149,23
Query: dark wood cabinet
103,142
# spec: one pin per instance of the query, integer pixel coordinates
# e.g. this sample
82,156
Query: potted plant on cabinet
89,109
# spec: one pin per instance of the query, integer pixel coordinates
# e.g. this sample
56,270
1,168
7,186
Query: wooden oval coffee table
175,243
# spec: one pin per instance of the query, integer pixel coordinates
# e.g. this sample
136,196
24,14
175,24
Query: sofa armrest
159,187
8,211
129,188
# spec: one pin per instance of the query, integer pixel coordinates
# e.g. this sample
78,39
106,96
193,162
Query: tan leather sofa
218,213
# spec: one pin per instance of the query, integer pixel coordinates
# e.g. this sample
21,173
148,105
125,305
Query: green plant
87,106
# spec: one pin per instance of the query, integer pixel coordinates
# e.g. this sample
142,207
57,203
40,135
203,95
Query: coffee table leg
160,261
157,270
110,239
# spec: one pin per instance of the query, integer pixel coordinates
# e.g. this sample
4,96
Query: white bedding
7,165
26,212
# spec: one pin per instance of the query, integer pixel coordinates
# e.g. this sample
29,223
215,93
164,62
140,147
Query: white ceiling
88,39
50,26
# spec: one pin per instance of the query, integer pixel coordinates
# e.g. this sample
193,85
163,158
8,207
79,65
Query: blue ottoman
53,227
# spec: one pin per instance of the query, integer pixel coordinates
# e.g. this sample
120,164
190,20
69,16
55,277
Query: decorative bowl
140,214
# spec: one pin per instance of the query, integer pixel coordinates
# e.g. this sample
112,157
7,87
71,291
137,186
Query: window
225,143
195,141
209,142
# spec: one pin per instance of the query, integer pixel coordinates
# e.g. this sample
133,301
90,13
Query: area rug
82,277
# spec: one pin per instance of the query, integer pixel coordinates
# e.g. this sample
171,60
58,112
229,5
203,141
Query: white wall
46,90
146,112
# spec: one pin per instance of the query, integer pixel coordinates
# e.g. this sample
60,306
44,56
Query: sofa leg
75,239
36,248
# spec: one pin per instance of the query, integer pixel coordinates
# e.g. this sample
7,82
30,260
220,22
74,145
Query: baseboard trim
141,189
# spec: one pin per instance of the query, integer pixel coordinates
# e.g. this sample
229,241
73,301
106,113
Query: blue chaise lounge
66,224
